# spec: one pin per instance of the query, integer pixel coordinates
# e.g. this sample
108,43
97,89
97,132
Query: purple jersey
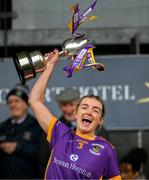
75,156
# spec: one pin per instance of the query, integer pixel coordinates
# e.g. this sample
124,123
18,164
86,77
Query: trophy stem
62,53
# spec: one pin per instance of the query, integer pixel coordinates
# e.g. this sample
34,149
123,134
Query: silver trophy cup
29,64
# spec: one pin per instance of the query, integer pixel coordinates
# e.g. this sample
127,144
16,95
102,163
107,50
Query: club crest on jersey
96,148
74,157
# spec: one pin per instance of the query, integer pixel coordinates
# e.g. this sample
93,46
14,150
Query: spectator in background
131,165
67,101
20,139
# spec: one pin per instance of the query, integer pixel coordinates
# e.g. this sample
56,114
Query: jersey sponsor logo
72,166
74,157
80,170
61,163
96,148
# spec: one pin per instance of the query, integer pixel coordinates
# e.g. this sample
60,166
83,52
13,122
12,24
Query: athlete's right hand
51,58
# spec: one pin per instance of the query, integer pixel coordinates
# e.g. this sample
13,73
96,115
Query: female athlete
75,154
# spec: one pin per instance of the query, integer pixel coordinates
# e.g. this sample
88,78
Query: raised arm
42,114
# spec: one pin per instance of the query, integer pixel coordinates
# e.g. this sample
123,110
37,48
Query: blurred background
121,37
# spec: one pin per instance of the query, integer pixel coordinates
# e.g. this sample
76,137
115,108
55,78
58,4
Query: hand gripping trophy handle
29,64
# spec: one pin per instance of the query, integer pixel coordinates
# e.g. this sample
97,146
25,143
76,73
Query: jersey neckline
85,136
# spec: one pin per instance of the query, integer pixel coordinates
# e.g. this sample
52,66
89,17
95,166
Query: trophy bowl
73,45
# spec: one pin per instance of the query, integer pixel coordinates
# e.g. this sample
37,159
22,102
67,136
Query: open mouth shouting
86,121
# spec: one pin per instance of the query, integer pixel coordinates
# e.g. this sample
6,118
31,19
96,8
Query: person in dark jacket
20,138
